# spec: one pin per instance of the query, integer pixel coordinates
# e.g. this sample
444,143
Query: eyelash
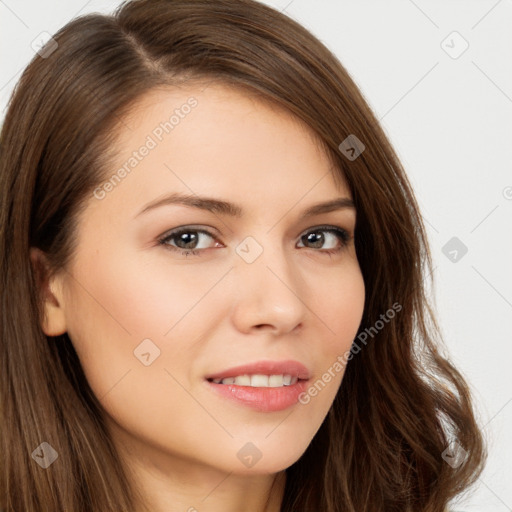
342,235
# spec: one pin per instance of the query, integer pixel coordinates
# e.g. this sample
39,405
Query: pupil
315,238
187,238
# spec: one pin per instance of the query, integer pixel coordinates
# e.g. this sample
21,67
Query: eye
335,236
188,240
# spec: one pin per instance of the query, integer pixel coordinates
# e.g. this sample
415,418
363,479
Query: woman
212,267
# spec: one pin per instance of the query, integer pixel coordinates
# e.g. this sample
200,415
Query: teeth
259,381
243,380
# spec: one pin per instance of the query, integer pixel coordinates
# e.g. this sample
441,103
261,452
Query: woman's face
150,321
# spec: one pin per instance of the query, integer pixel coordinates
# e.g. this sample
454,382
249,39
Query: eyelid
184,229
344,237
192,227
189,227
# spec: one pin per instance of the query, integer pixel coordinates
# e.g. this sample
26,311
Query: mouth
262,374
264,386
260,392
259,380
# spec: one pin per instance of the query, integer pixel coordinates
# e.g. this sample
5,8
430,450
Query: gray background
450,120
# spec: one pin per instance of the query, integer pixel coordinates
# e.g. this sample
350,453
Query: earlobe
50,293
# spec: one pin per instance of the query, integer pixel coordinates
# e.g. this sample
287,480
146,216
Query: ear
50,292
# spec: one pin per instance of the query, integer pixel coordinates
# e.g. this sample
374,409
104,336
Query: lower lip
262,399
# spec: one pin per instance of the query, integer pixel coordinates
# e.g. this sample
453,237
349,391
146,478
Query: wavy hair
401,402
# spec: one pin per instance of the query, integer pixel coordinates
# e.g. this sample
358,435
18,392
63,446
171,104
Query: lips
289,367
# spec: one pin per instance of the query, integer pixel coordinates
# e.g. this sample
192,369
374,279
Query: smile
259,380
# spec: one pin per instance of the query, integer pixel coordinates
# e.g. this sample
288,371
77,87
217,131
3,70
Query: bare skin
212,310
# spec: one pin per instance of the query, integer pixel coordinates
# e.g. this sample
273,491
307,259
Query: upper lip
289,367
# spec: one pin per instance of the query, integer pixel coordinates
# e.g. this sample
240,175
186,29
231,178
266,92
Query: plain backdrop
438,75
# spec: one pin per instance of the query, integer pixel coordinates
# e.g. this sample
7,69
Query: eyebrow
233,210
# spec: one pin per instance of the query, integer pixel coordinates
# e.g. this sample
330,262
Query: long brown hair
401,402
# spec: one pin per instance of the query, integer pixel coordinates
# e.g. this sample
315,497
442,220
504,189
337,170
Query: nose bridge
262,257
268,286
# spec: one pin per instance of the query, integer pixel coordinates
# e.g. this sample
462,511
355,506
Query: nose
268,294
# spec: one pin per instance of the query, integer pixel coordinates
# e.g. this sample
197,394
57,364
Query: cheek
117,323
339,307
339,311
140,298
117,304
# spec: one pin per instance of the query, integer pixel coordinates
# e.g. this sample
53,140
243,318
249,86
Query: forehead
222,113
218,140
